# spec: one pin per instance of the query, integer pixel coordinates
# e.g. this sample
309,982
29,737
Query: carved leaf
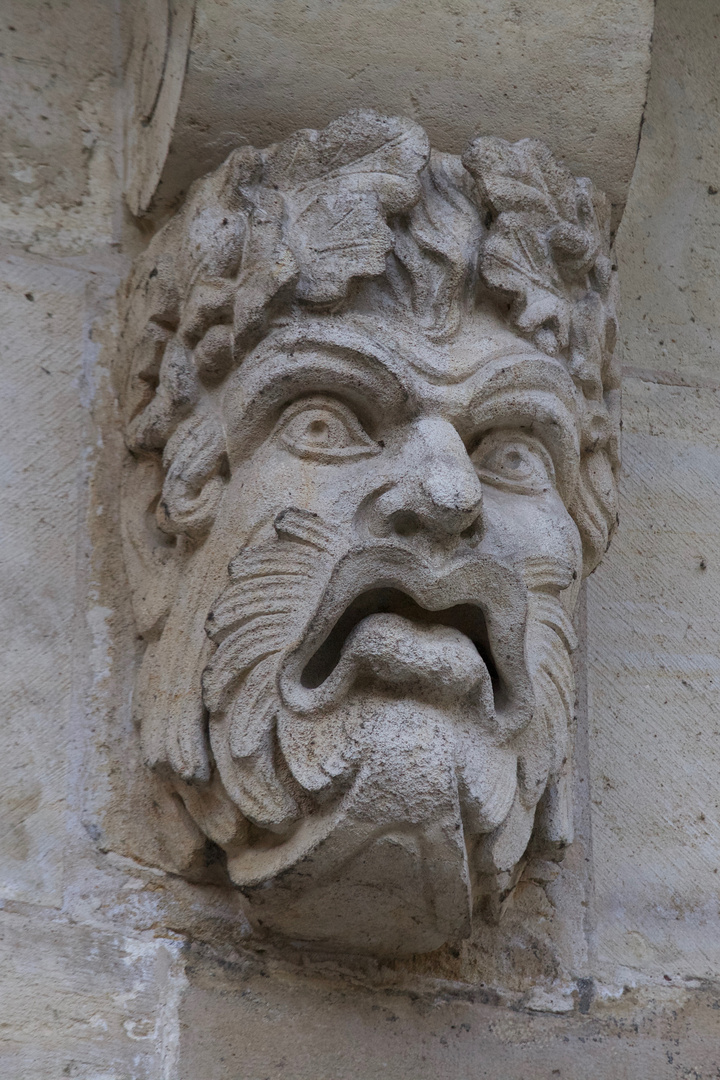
339,185
545,235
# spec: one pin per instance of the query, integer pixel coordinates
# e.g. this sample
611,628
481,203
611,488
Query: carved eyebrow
524,371
522,378
537,395
271,379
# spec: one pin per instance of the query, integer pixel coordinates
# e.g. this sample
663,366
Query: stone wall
114,969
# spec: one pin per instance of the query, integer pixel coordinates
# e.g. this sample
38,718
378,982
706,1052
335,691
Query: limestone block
42,310
669,246
305,1028
58,177
371,400
654,678
208,76
652,607
86,1001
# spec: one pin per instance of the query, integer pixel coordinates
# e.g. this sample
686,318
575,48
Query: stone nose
436,489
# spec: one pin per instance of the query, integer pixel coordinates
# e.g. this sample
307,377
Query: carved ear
156,511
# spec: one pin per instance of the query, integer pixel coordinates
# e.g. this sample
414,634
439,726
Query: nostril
406,523
473,531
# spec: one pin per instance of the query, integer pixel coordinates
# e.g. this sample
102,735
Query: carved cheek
523,527
273,479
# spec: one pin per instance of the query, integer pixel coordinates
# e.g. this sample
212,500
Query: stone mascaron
373,412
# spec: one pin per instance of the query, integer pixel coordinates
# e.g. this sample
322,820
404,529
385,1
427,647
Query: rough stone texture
653,628
669,244
372,1035
257,72
43,315
357,517
654,767
98,979
86,1001
59,66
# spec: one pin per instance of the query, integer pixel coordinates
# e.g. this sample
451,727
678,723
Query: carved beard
279,767
257,618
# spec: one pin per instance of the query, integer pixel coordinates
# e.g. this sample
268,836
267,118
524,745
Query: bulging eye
324,430
514,462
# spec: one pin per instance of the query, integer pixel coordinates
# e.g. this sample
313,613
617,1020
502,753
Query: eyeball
325,430
513,461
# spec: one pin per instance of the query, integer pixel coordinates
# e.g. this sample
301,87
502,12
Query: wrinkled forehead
392,371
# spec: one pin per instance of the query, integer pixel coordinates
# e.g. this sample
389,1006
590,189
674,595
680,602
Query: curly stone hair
308,223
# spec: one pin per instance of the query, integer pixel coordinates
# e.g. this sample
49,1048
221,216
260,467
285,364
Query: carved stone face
362,682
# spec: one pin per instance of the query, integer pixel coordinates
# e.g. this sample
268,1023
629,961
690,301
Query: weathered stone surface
42,310
57,167
654,635
86,942
574,76
654,662
85,1001
363,493
302,1030
669,245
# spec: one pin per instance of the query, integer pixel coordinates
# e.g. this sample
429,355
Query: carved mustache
299,596
287,595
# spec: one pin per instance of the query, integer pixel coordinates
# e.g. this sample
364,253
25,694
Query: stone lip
478,580
428,661
424,658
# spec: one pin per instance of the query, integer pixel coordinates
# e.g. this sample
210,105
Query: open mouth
388,620
468,619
